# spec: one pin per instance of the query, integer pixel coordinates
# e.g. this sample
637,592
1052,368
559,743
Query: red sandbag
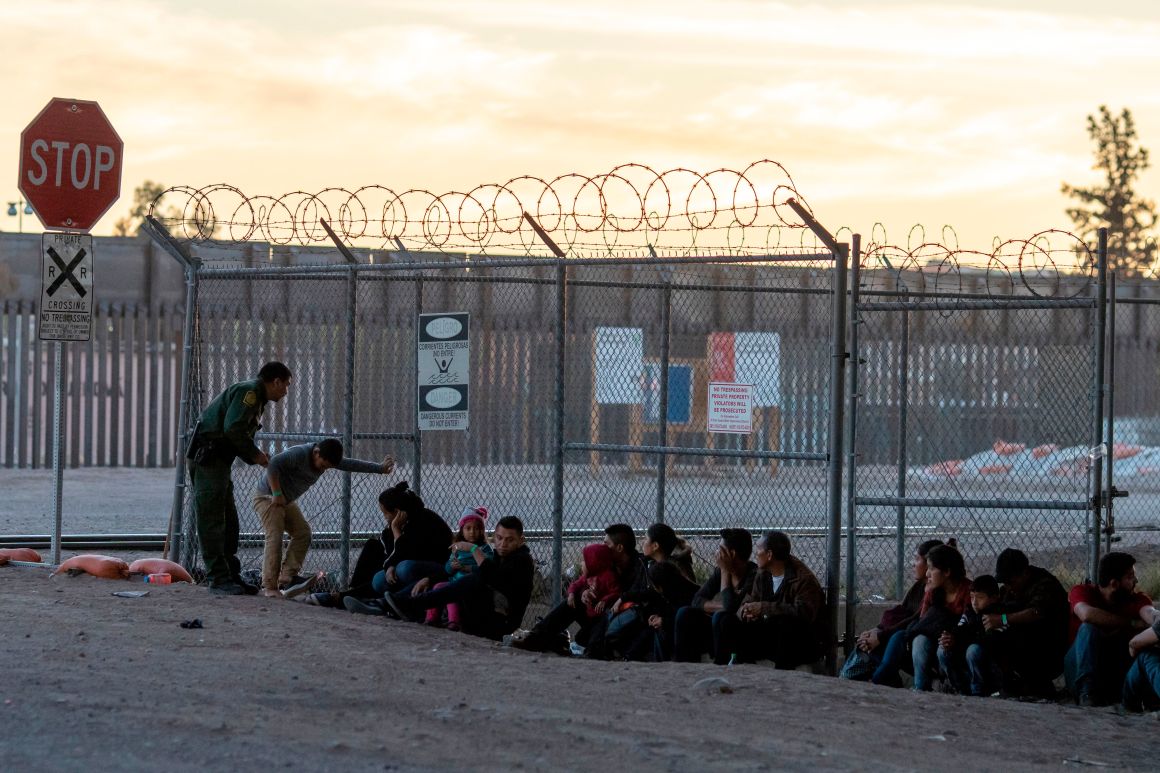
98,566
19,554
160,566
1003,448
1044,450
1124,451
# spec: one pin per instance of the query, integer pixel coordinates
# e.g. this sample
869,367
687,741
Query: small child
472,533
598,587
970,633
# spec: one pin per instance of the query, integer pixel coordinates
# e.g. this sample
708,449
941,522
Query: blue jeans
1142,684
971,672
1097,663
895,658
407,573
922,651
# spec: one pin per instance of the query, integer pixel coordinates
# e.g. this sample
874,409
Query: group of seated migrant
1013,633
759,603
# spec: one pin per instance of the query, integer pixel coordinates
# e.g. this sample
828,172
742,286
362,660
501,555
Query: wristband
1004,618
275,493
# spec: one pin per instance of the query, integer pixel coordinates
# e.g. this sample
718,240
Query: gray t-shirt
296,474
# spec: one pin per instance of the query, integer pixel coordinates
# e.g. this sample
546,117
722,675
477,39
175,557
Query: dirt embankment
90,680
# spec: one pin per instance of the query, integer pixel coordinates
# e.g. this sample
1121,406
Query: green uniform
226,430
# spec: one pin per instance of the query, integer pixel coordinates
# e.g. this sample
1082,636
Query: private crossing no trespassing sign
444,370
66,290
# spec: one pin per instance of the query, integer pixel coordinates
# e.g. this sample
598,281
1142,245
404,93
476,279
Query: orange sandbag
949,468
995,469
19,554
1044,450
98,566
1003,448
160,566
1124,451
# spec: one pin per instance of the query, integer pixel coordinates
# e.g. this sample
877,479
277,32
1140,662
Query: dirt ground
92,681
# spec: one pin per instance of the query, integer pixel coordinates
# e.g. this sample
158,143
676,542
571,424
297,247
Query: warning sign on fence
66,288
444,370
730,408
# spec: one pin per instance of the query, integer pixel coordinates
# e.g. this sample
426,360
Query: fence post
348,395
1110,389
837,425
417,467
663,416
903,406
1095,459
852,455
175,539
558,482
348,421
57,442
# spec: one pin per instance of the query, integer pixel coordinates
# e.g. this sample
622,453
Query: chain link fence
641,340
976,416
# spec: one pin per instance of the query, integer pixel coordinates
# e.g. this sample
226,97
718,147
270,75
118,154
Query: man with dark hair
1103,619
779,618
697,628
491,601
550,633
1030,653
288,476
225,432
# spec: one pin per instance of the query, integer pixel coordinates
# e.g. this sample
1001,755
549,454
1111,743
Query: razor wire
631,210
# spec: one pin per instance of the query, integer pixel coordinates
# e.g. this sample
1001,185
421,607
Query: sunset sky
962,113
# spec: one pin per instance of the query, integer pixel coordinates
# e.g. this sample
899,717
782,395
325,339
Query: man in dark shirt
779,617
1103,619
697,628
550,633
1030,653
492,601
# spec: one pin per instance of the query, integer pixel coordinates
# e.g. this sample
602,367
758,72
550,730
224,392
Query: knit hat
473,513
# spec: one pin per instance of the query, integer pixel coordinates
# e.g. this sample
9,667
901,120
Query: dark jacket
426,537
800,594
970,628
1045,594
730,598
940,613
227,426
634,576
898,617
510,580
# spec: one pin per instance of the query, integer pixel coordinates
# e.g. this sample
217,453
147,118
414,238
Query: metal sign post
66,314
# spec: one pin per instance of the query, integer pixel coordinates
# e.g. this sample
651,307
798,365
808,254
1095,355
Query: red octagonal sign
70,164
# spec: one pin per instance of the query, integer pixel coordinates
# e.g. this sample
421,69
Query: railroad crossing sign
66,297
70,165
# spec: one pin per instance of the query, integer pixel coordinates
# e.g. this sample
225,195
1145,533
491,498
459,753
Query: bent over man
288,476
225,432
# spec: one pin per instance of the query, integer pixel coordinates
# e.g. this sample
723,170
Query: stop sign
70,164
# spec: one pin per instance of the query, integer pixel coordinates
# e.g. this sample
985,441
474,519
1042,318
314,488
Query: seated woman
417,543
948,594
880,652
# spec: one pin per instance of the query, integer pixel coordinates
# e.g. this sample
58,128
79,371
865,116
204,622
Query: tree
1115,204
143,197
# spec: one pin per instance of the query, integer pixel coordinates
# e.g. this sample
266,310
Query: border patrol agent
226,431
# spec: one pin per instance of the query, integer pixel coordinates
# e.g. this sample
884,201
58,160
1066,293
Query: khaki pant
275,520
